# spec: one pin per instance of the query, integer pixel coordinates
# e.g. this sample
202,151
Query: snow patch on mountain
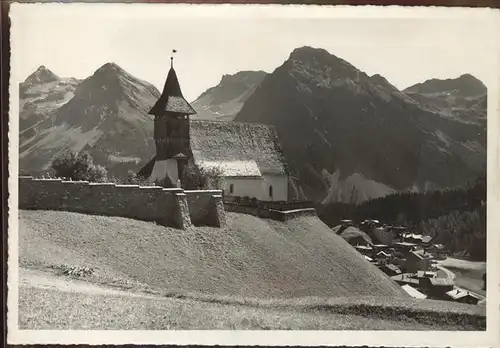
353,189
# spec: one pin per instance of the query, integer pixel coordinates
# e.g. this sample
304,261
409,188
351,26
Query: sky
74,40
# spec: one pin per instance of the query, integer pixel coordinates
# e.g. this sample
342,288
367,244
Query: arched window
271,191
231,188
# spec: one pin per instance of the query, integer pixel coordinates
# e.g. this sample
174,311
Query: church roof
232,168
241,149
224,141
172,100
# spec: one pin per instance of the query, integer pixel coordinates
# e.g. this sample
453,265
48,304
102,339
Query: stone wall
274,205
203,207
267,213
167,206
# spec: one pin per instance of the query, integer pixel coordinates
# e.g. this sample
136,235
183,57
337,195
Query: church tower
171,132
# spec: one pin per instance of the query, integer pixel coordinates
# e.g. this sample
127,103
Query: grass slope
250,258
49,309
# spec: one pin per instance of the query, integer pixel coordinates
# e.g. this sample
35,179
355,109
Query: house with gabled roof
410,290
463,296
247,155
418,260
390,269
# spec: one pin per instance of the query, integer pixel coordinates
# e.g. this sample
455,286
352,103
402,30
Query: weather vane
172,58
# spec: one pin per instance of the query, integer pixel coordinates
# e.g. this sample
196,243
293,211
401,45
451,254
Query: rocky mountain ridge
106,115
462,98
331,117
223,101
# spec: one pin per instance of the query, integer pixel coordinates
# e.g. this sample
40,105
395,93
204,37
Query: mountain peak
378,77
114,81
314,60
308,51
41,75
249,76
320,55
379,80
308,54
464,85
108,75
470,78
110,67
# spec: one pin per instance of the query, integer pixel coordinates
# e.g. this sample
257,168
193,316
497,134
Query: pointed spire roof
172,100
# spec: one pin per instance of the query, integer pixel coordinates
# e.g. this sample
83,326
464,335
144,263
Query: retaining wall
204,207
167,206
274,205
266,213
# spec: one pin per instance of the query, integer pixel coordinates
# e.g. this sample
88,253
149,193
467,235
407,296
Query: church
248,155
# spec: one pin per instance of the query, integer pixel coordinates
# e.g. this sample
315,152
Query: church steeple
172,100
171,132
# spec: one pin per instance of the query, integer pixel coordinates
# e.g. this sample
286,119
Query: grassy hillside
49,309
251,257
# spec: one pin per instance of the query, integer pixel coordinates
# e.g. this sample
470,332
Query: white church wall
257,187
279,185
243,187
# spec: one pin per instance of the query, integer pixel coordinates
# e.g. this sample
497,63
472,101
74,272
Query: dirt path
460,274
449,274
42,280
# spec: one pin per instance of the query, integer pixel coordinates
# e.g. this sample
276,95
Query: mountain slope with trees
454,217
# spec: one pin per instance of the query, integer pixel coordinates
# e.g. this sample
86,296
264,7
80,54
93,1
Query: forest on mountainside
463,233
454,217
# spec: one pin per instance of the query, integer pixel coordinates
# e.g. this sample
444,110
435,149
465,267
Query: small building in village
418,239
418,261
390,269
438,250
437,288
410,290
426,274
383,257
406,278
248,156
463,296
365,250
404,247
